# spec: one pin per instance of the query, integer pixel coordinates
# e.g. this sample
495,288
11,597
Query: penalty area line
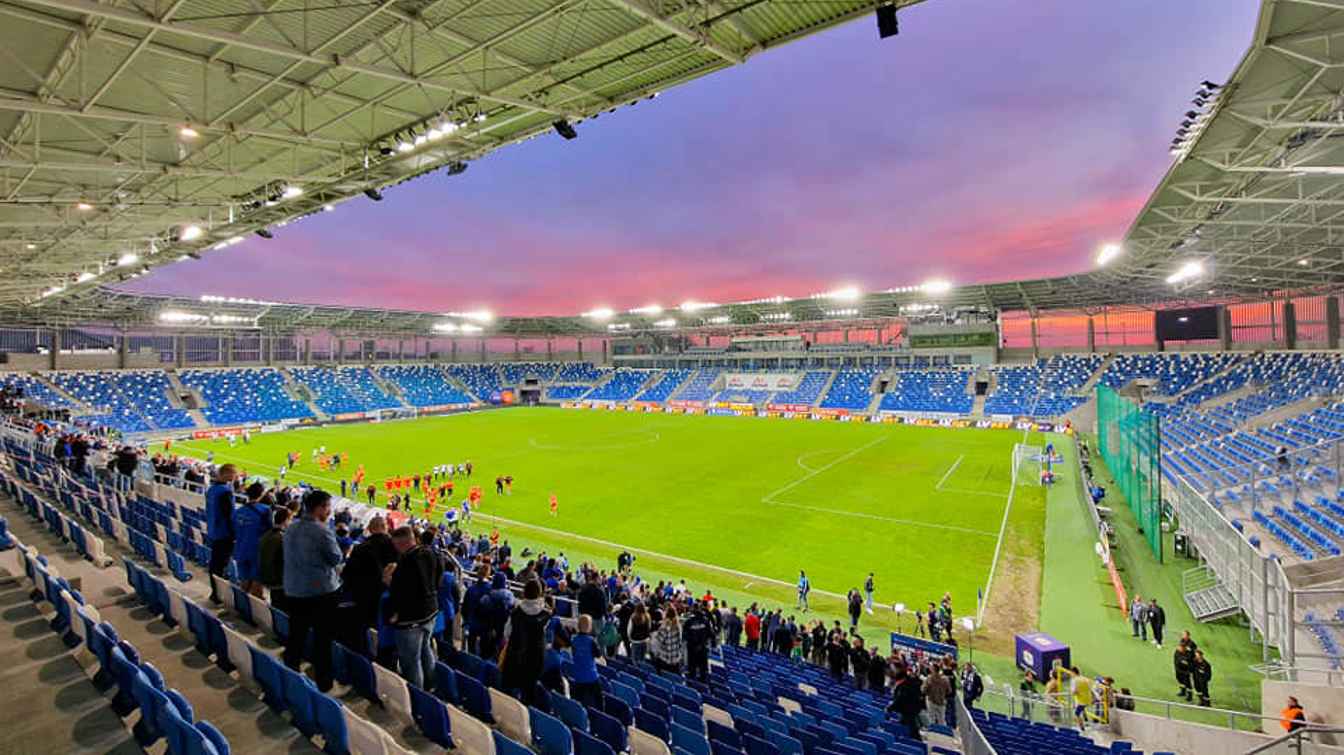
770,497
949,472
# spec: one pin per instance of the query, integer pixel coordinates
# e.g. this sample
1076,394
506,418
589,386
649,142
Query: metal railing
1293,740
1057,710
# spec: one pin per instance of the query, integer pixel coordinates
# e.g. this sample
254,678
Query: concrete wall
88,361
1156,734
1323,705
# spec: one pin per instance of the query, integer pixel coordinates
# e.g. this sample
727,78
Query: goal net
1027,461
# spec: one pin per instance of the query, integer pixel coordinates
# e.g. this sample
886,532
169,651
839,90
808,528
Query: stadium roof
1252,205
133,134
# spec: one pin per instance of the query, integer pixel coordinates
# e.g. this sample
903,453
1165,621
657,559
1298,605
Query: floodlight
1191,269
601,313
848,293
328,208
85,277
648,309
187,132
190,233
291,191
935,286
695,306
83,206
129,258
668,323
1108,252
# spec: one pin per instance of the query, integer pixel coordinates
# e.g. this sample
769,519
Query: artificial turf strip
919,506
1079,606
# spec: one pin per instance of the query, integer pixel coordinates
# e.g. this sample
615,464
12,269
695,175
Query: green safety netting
1130,443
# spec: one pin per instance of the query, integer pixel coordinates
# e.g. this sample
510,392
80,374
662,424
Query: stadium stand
482,380
621,386
929,391
579,372
516,372
1048,388
700,385
807,391
129,401
666,385
851,389
36,390
234,396
343,390
422,385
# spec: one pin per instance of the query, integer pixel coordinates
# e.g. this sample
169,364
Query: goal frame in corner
1028,463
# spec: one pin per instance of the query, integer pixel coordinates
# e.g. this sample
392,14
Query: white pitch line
879,517
949,472
987,493
998,548
770,497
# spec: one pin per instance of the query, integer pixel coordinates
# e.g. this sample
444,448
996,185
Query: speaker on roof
887,25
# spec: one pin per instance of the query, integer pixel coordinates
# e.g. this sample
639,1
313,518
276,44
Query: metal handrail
1294,738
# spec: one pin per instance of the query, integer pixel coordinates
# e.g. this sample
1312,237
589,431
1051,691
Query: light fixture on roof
291,191
667,323
695,306
30,247
187,132
129,258
477,315
328,208
600,313
85,277
190,232
1108,252
845,293
445,327
83,206
936,286
1191,269
469,328
404,145
479,117
648,309
1304,261
178,316
719,320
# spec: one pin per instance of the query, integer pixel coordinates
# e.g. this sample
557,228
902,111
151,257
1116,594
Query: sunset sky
990,140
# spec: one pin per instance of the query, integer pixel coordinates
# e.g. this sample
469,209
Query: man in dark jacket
271,558
877,672
473,617
906,700
593,601
698,633
1201,673
1157,619
362,578
494,611
858,660
413,587
525,653
837,655
732,627
1181,661
219,523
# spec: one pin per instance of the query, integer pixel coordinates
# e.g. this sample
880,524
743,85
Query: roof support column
1332,322
580,349
1289,325
226,350
180,350
307,356
1091,335
482,350
550,350
1224,328
55,348
121,349
1035,342
268,343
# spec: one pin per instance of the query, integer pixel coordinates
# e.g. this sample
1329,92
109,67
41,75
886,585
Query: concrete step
81,407
1091,384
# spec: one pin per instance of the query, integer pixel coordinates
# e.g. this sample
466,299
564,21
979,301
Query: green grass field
736,502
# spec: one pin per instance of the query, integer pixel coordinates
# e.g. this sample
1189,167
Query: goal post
1027,461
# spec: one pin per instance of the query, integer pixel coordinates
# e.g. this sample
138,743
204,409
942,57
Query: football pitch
737,504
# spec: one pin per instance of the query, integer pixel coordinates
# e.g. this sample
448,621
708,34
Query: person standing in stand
312,583
219,524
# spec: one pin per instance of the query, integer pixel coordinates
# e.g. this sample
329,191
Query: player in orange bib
555,505
494,537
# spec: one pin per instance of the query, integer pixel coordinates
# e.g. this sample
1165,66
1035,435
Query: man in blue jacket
219,523
312,584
